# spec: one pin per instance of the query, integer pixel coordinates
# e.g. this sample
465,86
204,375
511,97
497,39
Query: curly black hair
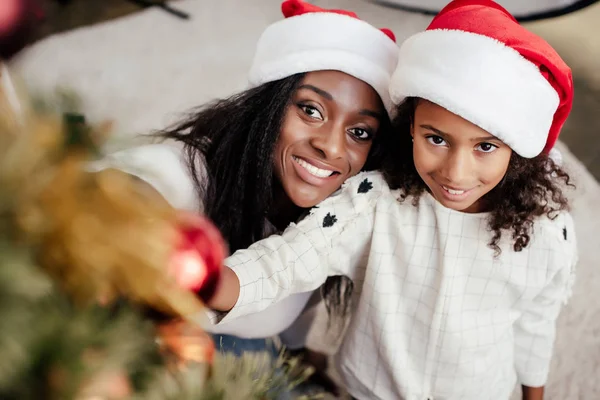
236,138
531,187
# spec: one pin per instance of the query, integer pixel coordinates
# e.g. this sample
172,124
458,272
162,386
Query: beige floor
141,71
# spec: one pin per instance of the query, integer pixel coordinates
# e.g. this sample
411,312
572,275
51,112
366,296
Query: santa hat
476,61
314,39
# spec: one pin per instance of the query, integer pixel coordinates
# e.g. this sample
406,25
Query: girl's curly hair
531,187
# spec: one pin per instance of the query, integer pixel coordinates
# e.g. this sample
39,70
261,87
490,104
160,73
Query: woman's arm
162,170
331,240
162,167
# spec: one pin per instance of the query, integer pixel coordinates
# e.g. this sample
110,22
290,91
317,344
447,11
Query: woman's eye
436,140
486,147
311,111
361,134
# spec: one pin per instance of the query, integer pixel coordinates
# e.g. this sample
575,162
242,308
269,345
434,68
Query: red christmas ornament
198,258
17,21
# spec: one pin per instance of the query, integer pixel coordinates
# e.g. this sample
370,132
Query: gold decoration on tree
100,234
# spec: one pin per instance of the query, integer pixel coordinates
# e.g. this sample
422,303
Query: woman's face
326,135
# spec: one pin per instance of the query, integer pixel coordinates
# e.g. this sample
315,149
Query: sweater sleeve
535,329
163,167
332,240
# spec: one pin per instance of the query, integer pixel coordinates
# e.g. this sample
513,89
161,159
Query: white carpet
142,70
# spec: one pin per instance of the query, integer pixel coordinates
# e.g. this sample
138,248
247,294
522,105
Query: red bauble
17,22
198,258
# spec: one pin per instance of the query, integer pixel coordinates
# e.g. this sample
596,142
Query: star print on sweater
329,220
365,186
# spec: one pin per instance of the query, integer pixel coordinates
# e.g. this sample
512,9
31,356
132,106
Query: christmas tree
87,262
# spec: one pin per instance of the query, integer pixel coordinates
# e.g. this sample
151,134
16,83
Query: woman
315,114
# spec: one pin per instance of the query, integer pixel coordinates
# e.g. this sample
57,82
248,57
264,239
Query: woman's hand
533,393
227,292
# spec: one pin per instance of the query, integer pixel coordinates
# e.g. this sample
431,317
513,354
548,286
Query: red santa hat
476,61
314,39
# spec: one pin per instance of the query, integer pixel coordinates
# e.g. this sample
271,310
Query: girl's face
457,160
326,136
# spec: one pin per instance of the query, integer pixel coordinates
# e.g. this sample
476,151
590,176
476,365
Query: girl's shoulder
555,229
556,236
163,166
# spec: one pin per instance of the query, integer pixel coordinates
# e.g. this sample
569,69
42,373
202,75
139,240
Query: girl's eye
361,134
486,147
436,140
311,111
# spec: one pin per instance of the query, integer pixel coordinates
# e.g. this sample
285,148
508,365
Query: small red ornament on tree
198,257
17,22
195,265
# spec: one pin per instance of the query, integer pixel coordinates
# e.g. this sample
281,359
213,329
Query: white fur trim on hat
325,41
481,80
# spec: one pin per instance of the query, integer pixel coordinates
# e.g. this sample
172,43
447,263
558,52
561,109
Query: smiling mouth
456,192
314,171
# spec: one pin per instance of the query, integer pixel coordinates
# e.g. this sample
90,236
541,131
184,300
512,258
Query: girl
462,252
314,116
